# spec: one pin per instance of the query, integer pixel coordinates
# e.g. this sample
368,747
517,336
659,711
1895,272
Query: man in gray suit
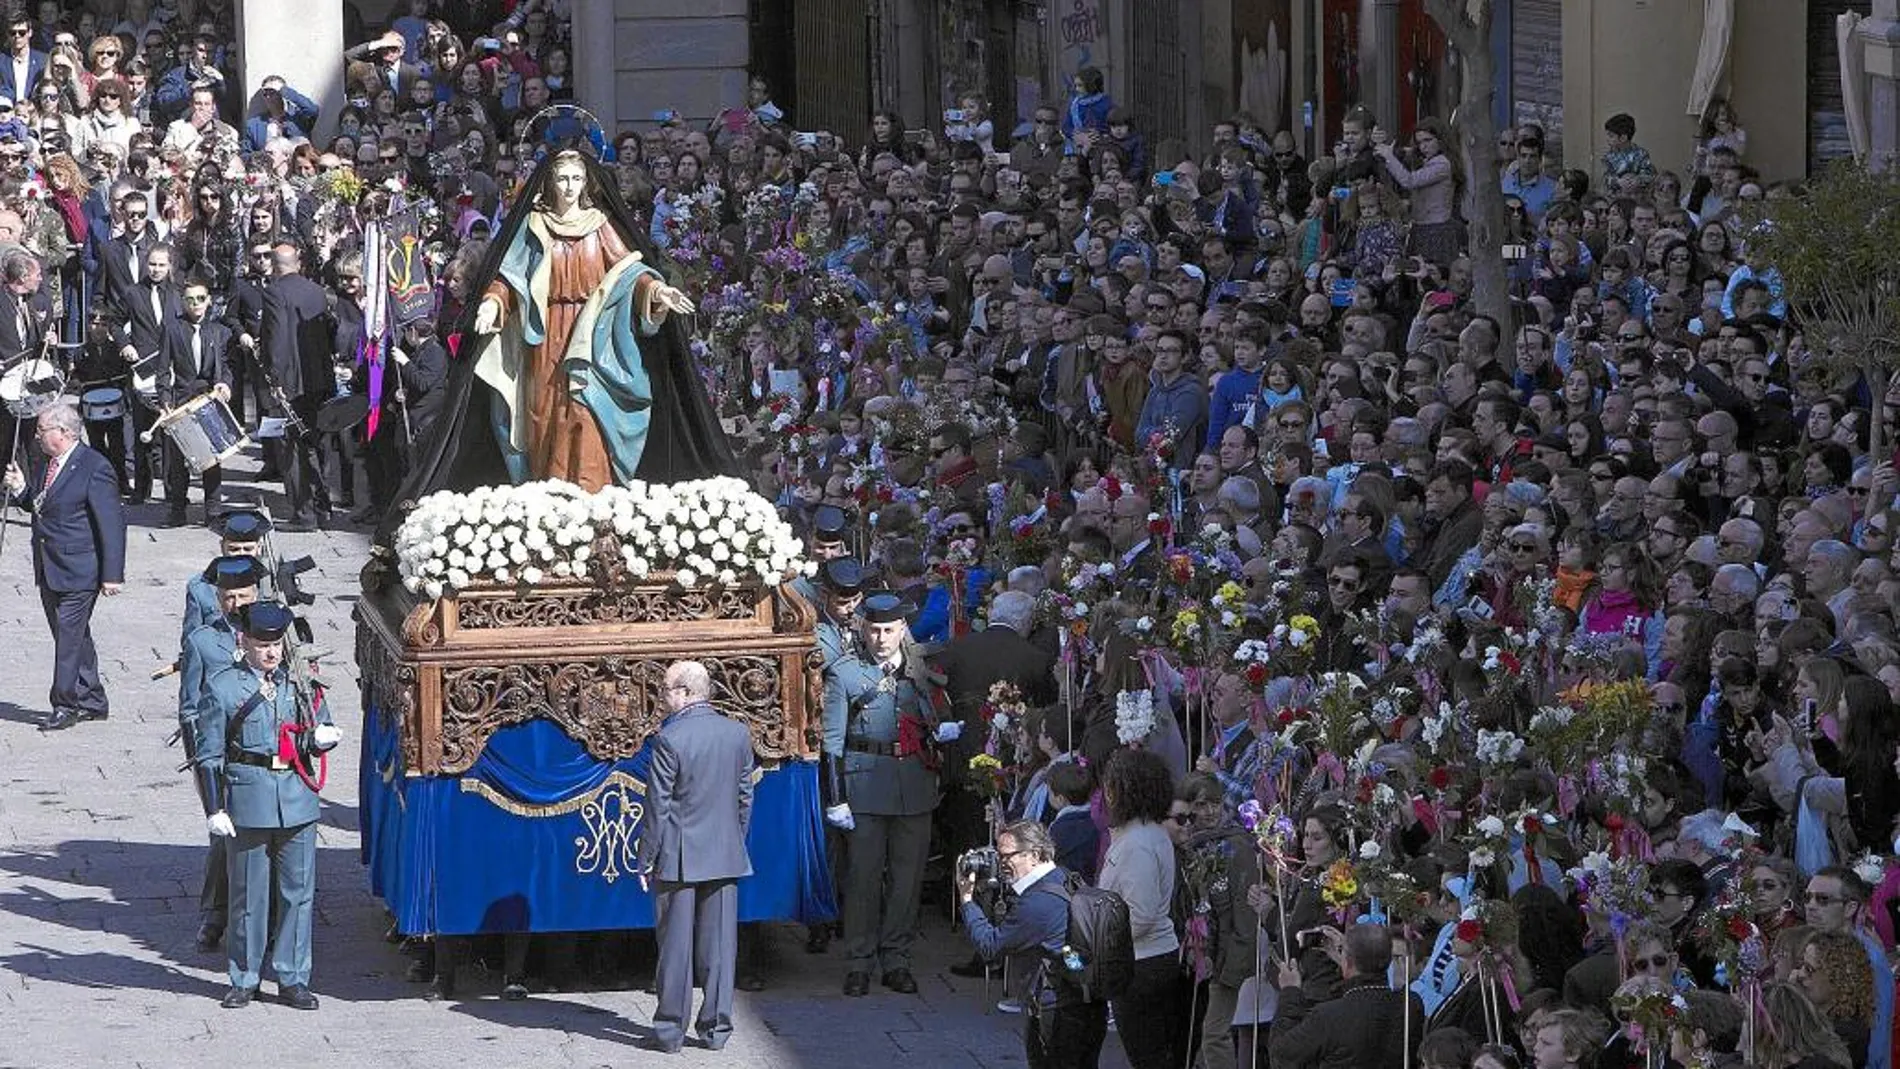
699,806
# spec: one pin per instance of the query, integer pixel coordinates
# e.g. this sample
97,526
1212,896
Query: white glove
838,816
487,316
950,731
326,736
220,824
401,358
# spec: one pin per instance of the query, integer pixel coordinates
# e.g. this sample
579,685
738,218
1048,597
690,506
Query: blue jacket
1078,841
78,524
1234,397
1040,921
35,67
201,605
300,117
1182,403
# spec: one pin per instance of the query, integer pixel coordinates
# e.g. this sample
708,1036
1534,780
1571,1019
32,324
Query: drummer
101,375
195,361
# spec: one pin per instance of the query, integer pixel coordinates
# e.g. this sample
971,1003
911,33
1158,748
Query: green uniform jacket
254,797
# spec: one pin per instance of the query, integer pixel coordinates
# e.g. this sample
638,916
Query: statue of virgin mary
572,363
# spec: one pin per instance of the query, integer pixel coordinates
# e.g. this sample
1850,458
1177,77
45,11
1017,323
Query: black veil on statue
684,438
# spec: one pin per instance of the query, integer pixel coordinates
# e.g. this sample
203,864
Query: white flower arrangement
715,530
1134,716
1498,747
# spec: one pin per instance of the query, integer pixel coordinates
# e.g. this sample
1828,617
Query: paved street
101,847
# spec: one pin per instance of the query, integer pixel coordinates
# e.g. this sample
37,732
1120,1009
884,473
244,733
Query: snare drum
204,432
31,388
103,405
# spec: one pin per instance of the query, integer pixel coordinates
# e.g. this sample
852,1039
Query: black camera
982,865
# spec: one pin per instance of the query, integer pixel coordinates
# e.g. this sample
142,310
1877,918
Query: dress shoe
714,1042
297,997
976,968
209,938
818,939
238,997
901,981
366,514
655,1043
174,518
857,985
66,716
513,989
749,981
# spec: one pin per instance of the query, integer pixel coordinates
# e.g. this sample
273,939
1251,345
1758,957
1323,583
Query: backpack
1103,939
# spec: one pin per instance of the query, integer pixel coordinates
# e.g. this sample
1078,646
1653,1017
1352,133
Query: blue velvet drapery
525,840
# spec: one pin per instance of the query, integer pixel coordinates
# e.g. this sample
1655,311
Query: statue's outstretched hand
672,300
487,316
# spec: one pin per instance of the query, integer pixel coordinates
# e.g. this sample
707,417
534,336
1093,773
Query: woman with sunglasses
108,120
210,246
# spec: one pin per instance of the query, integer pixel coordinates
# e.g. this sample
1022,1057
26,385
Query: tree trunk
1467,28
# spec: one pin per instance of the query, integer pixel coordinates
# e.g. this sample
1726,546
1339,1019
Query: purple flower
1251,814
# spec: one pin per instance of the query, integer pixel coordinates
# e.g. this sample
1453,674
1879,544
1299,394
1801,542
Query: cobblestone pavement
101,849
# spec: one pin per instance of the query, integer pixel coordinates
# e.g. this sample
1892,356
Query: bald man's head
285,259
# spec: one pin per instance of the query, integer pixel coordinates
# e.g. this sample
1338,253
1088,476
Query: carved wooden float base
590,658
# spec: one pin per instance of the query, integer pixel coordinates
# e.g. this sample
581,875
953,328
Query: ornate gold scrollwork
609,706
581,608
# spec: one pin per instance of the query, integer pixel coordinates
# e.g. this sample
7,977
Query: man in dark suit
149,304
24,315
20,71
410,405
297,352
194,362
972,664
122,256
244,316
78,556
699,807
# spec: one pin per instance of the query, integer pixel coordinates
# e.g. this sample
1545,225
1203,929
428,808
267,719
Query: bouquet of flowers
1134,716
1649,1010
988,776
1003,709
715,530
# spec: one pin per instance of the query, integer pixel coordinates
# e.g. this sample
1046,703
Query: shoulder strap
243,713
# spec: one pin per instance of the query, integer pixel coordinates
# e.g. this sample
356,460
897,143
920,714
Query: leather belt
881,749
270,761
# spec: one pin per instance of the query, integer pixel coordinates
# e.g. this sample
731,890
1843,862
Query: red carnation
1440,778
1257,675
1510,662
1739,927
1470,932
886,494
1112,487
1158,527
1532,825
1614,822
1287,716
1365,791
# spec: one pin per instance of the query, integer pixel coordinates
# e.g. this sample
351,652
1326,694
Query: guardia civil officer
878,729
210,648
256,778
240,533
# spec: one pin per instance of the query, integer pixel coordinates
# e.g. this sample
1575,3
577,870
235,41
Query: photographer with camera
1064,1026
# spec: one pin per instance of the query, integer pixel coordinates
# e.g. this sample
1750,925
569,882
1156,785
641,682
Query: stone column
1879,34
303,44
595,71
1385,75
665,54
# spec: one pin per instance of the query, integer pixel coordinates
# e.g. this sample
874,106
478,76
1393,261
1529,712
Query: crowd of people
1525,685
1359,641
169,240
